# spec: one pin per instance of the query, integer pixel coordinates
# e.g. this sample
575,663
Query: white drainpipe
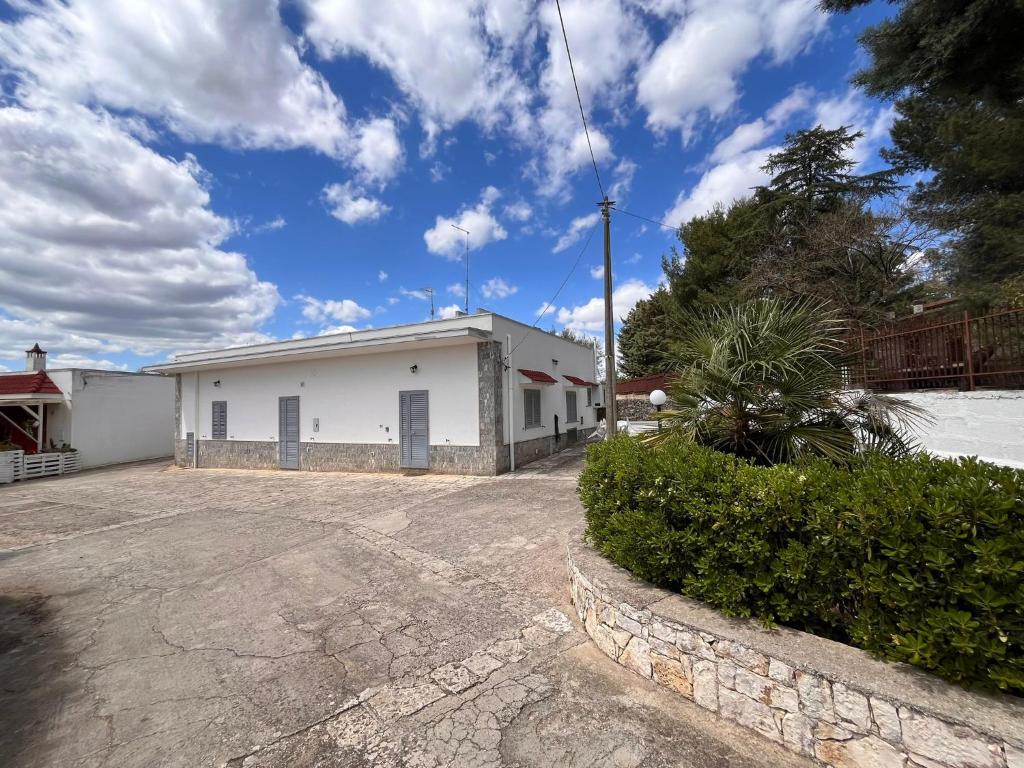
511,407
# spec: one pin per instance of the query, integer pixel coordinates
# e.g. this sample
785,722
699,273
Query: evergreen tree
956,73
644,337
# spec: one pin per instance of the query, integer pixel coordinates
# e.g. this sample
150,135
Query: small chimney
35,359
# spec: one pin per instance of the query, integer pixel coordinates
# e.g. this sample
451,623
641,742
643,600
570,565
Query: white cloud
72,360
392,300
414,294
576,229
518,211
337,329
444,240
597,271
457,289
452,310
349,203
497,288
124,248
545,309
382,276
590,316
853,109
474,78
341,310
696,69
378,151
737,160
231,75
278,222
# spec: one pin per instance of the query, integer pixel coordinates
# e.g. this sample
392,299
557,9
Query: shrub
915,559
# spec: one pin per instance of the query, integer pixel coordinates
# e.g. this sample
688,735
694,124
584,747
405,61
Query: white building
438,395
109,417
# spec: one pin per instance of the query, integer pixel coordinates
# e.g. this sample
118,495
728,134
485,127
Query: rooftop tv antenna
430,293
466,232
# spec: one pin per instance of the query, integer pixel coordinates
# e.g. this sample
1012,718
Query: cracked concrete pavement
152,616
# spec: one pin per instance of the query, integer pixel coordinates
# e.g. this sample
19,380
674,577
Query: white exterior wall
354,397
536,353
987,424
113,417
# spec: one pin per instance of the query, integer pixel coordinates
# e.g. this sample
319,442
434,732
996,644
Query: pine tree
956,73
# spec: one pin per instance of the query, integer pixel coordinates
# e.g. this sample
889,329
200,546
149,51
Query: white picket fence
15,465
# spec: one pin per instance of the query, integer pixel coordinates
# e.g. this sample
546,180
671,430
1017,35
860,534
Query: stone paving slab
152,616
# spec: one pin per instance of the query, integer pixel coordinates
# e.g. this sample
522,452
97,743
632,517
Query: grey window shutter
220,420
570,407
531,407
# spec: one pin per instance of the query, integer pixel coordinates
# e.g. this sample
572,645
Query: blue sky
197,174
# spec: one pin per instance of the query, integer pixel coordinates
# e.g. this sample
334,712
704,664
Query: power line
644,218
544,312
579,100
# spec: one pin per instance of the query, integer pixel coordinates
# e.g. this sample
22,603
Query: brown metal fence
941,352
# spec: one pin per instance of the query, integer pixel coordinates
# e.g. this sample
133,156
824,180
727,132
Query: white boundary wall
987,424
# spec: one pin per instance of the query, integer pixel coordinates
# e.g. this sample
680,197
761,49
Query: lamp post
658,398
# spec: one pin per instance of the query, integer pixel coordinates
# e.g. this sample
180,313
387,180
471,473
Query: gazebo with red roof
30,393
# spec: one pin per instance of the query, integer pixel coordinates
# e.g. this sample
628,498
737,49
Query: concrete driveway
151,616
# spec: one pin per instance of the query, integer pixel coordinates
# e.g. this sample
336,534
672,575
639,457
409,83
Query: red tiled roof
643,385
37,383
538,376
580,382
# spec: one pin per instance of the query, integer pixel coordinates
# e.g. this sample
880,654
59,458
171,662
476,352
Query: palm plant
763,380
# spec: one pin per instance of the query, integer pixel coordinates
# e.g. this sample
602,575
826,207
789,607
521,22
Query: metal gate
414,429
288,432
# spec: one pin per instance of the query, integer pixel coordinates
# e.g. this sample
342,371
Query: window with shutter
590,396
570,408
219,429
531,407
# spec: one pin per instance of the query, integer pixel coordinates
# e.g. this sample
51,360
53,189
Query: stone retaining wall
817,697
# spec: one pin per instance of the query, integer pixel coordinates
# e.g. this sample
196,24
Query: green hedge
917,559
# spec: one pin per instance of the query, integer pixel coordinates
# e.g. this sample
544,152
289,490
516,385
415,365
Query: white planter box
42,465
70,462
11,467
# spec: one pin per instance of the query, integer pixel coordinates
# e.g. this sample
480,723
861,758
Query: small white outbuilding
461,395
108,417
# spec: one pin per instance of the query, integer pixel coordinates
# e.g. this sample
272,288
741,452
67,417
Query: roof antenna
430,293
466,231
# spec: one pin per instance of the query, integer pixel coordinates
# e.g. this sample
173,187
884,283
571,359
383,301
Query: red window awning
580,382
538,377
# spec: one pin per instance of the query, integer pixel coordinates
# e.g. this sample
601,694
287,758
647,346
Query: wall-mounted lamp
216,383
553,361
413,368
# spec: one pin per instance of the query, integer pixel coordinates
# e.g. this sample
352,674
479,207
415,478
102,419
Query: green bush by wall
918,559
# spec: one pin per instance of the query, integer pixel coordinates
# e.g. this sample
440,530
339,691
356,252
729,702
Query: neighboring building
437,395
632,396
108,416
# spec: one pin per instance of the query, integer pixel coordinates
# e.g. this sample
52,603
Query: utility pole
466,231
611,411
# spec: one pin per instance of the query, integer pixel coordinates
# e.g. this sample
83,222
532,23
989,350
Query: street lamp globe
658,398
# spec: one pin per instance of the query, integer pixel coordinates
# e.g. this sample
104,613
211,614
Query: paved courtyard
152,616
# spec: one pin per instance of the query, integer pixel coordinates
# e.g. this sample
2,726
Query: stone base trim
542,447
335,457
816,697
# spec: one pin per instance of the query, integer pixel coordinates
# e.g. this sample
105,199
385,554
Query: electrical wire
544,312
579,99
644,218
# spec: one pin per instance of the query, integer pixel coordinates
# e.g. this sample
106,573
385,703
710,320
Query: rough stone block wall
845,723
238,454
638,407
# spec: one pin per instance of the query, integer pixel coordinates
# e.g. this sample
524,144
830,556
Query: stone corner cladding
803,711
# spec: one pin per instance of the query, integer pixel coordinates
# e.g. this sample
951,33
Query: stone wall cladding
237,454
490,374
815,697
542,447
180,446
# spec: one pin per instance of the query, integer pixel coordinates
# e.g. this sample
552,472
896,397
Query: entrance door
288,432
414,432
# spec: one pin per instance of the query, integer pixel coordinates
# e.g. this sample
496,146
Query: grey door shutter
570,407
414,429
220,420
288,432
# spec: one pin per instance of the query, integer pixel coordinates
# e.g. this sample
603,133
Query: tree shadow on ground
30,661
